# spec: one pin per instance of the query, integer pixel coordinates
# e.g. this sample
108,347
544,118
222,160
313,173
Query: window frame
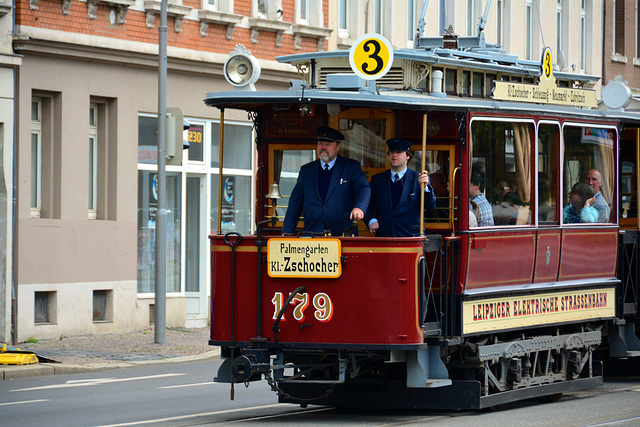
36,161
93,161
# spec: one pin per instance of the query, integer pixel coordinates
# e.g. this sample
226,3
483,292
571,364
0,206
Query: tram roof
489,59
394,99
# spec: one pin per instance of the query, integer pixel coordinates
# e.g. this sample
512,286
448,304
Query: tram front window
589,159
501,176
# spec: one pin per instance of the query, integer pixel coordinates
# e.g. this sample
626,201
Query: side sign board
546,91
304,258
500,313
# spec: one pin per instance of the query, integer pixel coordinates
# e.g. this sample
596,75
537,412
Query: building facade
621,50
86,159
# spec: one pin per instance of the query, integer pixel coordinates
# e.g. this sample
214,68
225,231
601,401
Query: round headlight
241,69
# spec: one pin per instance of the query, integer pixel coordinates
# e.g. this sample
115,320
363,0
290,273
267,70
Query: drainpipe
14,290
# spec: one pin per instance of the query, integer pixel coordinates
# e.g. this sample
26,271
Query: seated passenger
579,208
594,179
505,208
476,194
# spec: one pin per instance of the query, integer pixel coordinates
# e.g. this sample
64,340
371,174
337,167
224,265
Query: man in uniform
394,209
332,191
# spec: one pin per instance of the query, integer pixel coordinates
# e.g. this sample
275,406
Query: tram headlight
242,69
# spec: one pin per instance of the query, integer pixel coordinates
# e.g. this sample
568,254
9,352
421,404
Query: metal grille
393,79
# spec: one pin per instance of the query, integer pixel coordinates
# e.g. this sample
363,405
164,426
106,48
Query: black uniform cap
329,134
397,144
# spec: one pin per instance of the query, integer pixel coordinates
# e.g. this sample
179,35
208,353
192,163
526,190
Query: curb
10,372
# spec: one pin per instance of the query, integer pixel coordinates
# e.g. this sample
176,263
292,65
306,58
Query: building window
102,305
583,35
559,31
528,37
303,11
471,17
93,160
46,155
268,9
212,4
44,307
378,23
36,156
102,159
411,19
500,23
343,26
618,27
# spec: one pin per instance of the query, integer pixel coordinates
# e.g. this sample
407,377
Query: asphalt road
184,395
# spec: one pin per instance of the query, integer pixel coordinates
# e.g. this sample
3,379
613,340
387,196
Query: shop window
588,172
237,144
236,203
147,210
45,307
102,305
501,178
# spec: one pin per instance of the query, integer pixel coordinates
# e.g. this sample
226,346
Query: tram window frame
547,189
282,208
521,209
578,160
416,165
629,154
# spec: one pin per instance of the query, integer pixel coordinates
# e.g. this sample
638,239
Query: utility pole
161,213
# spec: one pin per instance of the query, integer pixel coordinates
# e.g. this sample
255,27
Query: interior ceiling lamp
242,69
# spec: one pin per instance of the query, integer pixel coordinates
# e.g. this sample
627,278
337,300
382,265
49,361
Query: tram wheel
553,397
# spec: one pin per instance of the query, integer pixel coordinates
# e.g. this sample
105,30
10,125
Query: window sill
344,43
318,33
616,57
208,17
5,8
260,24
121,6
153,7
636,62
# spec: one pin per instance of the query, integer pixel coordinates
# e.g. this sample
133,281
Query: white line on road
187,385
24,401
95,381
204,414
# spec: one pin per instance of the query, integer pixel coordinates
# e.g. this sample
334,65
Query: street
183,394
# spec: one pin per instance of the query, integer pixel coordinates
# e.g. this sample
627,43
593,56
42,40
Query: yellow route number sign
371,56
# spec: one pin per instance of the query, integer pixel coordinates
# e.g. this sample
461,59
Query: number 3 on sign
371,56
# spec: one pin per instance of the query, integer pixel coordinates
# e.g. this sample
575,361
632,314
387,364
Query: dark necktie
326,167
396,177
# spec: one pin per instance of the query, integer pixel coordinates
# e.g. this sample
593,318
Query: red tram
467,315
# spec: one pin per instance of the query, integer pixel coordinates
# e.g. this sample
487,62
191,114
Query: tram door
196,251
629,162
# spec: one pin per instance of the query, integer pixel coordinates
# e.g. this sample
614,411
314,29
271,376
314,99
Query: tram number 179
321,302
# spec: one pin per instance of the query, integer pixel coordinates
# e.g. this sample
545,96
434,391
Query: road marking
188,385
95,381
204,414
613,422
24,401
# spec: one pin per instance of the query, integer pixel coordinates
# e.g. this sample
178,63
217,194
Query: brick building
621,50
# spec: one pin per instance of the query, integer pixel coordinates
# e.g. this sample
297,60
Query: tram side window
438,163
589,174
548,140
501,176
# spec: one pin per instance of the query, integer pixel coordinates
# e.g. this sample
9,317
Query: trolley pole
161,214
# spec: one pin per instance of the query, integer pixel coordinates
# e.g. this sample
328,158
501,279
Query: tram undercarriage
454,374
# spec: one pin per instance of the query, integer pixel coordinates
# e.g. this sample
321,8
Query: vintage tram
463,316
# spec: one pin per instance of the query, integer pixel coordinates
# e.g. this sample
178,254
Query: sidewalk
88,353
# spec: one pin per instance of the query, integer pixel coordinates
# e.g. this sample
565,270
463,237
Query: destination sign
493,314
546,91
304,258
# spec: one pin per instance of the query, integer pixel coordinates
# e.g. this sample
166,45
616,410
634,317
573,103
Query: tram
465,315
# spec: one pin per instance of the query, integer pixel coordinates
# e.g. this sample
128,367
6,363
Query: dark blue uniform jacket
348,189
404,221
